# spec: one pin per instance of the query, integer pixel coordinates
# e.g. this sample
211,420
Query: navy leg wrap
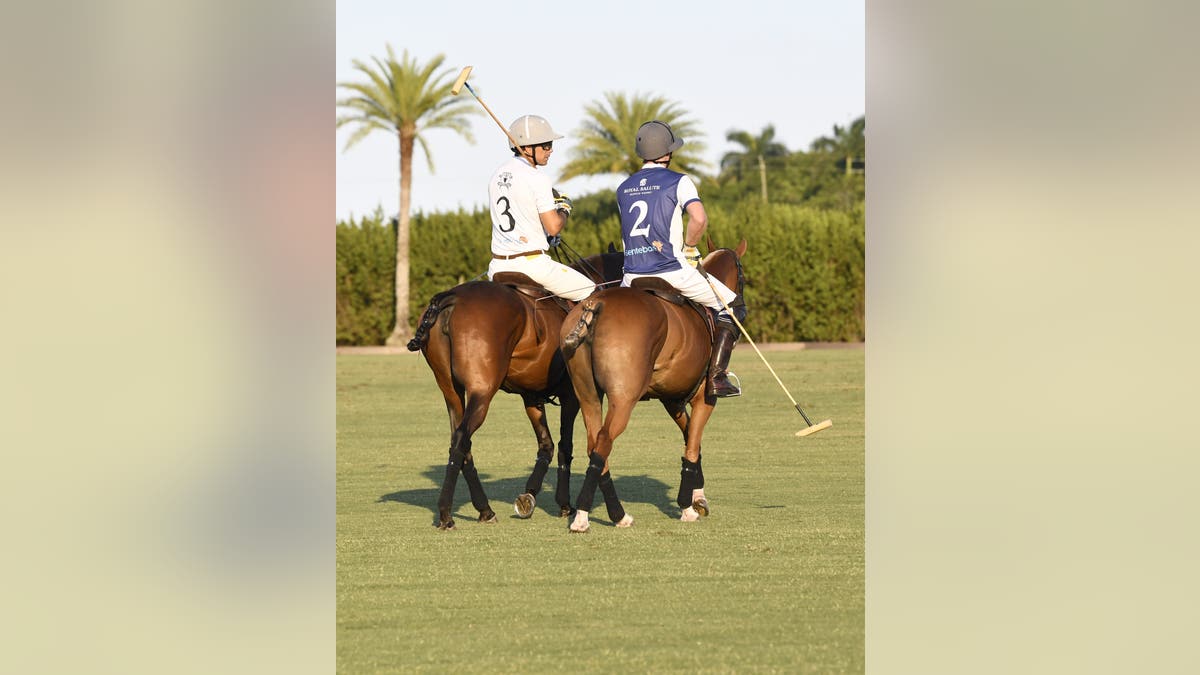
534,484
562,491
478,498
588,492
453,467
615,511
688,476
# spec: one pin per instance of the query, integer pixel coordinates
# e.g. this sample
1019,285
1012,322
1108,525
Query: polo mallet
811,428
462,82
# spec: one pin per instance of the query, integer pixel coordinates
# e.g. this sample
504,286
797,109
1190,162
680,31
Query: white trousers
554,276
689,282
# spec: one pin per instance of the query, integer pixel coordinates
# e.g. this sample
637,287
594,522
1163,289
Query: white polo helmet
531,130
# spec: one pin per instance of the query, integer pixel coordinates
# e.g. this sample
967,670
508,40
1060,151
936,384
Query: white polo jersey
517,195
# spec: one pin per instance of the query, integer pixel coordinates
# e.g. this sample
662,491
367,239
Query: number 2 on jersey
638,230
512,222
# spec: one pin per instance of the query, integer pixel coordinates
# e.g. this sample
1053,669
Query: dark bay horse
629,345
488,336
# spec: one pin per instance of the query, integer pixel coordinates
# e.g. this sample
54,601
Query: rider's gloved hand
554,240
562,202
692,254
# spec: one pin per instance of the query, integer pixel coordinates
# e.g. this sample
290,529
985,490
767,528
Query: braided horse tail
439,302
582,331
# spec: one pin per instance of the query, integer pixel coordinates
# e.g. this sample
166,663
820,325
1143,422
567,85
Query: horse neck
596,267
725,266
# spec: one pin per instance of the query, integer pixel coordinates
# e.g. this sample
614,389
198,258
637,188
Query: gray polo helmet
531,130
655,139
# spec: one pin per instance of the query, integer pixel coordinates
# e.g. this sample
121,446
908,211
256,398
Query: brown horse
629,345
487,336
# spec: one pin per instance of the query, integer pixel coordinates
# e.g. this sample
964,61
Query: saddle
660,288
522,284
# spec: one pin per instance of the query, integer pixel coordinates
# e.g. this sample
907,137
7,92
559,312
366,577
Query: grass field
773,580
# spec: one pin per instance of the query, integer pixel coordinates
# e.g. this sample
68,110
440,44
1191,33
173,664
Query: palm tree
847,143
757,149
608,137
406,98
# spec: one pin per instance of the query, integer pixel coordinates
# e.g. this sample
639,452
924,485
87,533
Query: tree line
799,201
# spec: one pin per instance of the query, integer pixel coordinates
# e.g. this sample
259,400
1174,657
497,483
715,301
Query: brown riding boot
718,375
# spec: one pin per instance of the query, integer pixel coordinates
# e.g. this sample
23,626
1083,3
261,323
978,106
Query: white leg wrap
580,524
627,521
689,515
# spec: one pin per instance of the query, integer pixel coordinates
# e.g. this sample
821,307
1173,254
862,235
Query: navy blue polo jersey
649,202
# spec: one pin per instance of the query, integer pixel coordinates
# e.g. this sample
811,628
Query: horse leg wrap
615,511
453,467
540,466
478,498
699,472
689,479
588,492
562,490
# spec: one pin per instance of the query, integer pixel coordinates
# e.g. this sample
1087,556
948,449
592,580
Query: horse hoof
627,521
524,505
701,506
690,515
488,517
580,524
448,525
565,512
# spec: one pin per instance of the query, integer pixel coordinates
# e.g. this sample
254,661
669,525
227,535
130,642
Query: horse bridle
741,275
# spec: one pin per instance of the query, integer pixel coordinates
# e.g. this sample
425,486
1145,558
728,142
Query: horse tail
439,302
582,333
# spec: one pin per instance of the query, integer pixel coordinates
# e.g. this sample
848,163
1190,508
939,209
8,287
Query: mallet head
462,79
815,428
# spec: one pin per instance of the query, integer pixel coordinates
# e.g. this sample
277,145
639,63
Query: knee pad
739,307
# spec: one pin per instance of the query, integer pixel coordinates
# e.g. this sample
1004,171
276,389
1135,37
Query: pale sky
731,65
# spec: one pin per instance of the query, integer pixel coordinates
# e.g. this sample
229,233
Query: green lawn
773,580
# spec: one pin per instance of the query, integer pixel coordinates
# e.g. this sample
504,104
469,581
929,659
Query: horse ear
708,242
741,249
611,248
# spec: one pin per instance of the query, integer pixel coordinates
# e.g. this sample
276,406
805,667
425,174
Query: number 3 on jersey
638,229
512,222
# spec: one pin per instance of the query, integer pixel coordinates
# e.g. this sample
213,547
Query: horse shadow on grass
500,491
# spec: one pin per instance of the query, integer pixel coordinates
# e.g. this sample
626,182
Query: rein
564,254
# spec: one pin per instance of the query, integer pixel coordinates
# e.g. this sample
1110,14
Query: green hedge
804,270
804,266
366,272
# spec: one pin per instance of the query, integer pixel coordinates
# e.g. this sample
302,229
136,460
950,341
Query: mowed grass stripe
773,580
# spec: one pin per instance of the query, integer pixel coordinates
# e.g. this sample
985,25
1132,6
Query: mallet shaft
489,111
760,355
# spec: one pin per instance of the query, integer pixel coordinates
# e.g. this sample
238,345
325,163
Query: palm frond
402,93
608,135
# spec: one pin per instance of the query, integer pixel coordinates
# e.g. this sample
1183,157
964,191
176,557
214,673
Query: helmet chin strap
531,157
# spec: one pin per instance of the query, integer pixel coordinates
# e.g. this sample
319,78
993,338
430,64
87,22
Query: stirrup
736,384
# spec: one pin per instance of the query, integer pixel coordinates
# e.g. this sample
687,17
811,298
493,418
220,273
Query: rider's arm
697,222
697,217
553,221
